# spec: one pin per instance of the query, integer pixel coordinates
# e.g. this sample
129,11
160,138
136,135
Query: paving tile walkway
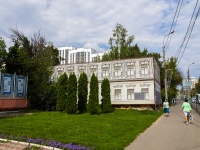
170,133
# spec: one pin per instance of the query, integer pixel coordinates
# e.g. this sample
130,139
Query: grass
104,132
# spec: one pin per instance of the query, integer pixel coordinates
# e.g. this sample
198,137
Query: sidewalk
170,133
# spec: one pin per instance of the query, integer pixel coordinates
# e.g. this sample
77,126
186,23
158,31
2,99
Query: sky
90,24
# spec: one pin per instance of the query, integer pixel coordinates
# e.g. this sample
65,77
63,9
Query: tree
71,106
93,104
62,85
175,79
105,93
82,93
193,92
51,97
197,86
13,62
3,53
35,58
119,43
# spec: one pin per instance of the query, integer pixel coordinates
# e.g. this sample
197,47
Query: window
62,53
144,69
93,71
71,58
130,71
117,72
88,57
145,91
130,94
105,73
118,94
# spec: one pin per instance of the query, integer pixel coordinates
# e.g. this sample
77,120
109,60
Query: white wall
137,81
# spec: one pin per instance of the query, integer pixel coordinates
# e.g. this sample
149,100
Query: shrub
105,93
93,104
82,93
62,92
71,106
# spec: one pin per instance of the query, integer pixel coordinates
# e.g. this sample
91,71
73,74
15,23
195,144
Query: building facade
72,55
189,84
132,81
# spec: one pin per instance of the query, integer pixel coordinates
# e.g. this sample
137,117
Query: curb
29,144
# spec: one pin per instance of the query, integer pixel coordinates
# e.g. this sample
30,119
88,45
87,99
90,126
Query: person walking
186,108
166,108
173,101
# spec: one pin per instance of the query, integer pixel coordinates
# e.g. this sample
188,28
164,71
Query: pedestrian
186,110
173,101
166,108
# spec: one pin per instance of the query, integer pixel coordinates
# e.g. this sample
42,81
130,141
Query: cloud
94,46
90,23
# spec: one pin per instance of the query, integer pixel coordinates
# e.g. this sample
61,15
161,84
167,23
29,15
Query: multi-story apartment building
189,84
71,55
132,81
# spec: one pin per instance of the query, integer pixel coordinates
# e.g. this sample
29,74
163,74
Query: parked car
194,100
197,98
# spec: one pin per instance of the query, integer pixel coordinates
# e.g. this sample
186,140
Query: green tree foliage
176,79
122,48
119,43
71,106
105,93
13,64
3,53
193,92
93,104
197,86
62,85
82,92
50,97
34,57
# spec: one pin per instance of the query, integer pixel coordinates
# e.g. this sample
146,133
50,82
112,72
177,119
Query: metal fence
195,106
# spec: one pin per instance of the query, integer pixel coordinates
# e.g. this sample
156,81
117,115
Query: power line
197,14
187,32
172,28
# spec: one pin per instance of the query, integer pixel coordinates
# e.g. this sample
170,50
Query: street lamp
165,70
189,79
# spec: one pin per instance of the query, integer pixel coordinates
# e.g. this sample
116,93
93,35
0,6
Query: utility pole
165,73
189,79
165,69
188,83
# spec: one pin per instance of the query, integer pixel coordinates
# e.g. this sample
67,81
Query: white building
189,85
71,55
132,81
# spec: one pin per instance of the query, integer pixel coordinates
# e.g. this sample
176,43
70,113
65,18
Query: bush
71,106
93,104
82,93
62,92
105,93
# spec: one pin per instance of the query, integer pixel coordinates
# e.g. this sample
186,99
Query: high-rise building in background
73,55
189,84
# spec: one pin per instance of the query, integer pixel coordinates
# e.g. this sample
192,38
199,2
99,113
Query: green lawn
104,132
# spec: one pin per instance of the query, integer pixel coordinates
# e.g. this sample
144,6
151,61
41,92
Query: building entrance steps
170,133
